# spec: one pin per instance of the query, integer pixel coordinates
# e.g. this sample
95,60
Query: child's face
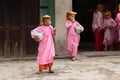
71,17
108,16
100,7
47,22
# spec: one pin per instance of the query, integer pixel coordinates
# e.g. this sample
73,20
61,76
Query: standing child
46,51
97,26
117,19
73,37
108,26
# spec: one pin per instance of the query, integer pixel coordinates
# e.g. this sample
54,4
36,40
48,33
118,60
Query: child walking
73,38
46,50
108,26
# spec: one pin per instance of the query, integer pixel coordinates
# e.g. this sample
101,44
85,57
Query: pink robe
97,21
46,50
98,34
73,38
117,19
109,32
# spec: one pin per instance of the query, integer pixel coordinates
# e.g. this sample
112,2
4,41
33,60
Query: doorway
85,9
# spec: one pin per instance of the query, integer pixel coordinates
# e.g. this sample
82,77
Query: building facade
19,17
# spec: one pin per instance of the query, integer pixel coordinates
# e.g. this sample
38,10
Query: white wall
61,7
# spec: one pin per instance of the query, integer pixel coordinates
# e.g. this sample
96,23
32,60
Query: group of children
44,34
106,29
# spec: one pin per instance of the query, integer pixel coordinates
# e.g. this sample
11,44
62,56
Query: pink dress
109,25
46,50
97,21
98,34
73,38
117,19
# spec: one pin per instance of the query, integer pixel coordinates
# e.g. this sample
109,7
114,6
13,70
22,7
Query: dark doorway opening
85,9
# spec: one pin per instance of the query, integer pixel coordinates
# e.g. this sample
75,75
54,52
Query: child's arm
116,19
114,23
68,24
100,20
32,33
36,38
53,31
104,25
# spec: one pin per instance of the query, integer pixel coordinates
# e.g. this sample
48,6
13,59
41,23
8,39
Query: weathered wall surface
61,7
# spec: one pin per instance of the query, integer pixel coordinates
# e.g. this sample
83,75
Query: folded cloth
38,33
79,29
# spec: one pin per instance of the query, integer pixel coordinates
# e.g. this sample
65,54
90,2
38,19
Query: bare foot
105,49
38,72
50,70
73,59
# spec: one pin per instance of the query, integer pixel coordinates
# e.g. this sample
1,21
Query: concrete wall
61,7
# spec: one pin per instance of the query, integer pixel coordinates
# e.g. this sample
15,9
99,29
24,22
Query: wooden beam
22,30
6,22
1,40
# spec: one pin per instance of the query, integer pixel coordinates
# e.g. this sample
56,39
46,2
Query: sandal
51,71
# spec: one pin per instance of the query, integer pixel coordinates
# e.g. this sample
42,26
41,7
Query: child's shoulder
39,27
118,14
108,19
77,22
68,21
99,13
51,26
111,19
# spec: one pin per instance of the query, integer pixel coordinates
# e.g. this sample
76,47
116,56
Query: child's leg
50,70
75,51
106,47
73,58
40,71
111,47
118,45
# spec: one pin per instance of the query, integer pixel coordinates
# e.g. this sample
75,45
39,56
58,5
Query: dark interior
85,9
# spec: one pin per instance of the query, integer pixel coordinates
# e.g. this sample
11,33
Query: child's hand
36,38
81,30
99,28
54,31
73,20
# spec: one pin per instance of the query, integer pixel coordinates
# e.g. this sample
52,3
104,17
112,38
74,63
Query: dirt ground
85,68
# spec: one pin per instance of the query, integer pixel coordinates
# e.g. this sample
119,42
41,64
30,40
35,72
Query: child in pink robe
108,26
46,50
73,38
97,26
117,19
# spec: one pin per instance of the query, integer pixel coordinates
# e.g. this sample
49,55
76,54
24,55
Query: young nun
97,27
46,50
108,25
73,38
117,19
